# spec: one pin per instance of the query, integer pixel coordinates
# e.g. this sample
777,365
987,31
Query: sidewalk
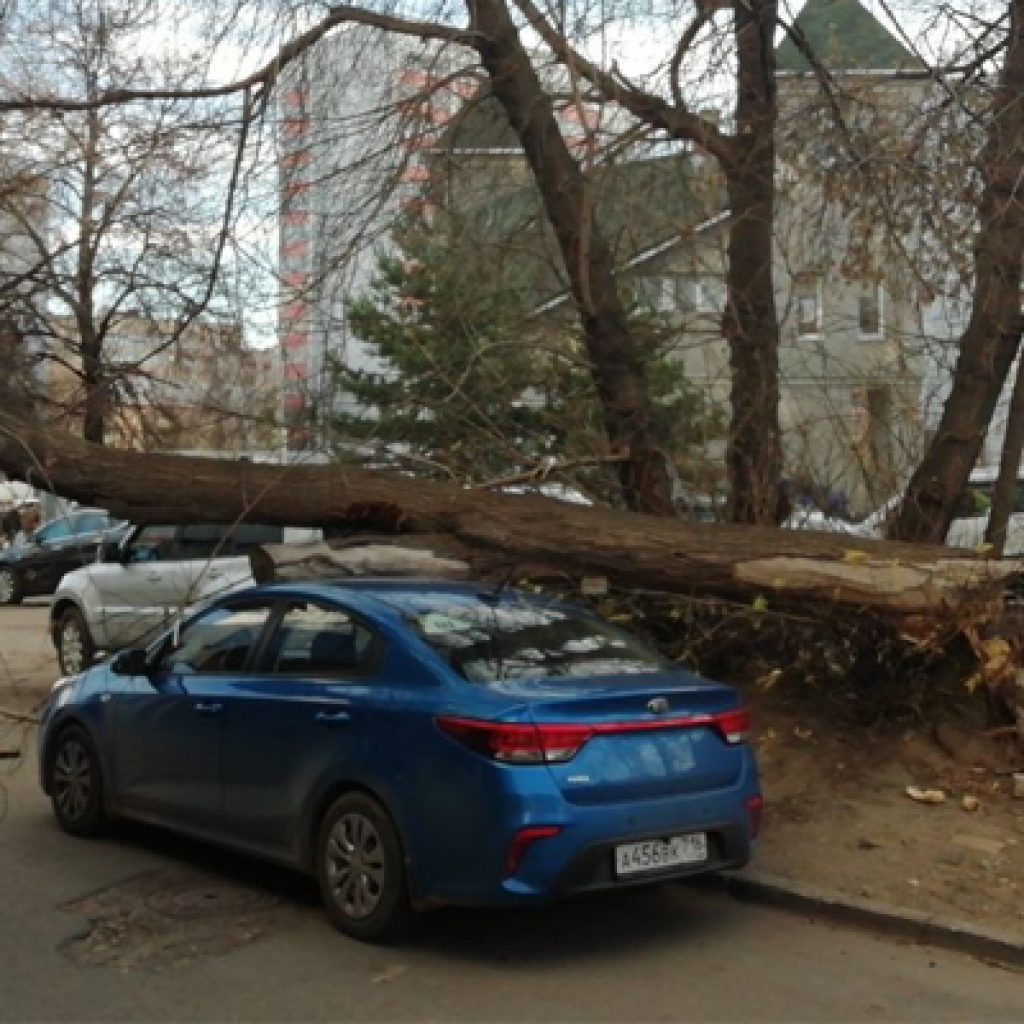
839,823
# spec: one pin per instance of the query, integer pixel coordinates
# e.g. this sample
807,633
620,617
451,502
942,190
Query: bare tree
659,108
122,241
747,160
992,337
617,359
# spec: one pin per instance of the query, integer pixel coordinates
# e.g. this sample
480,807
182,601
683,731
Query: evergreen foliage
474,387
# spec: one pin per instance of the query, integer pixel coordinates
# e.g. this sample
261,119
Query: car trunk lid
618,739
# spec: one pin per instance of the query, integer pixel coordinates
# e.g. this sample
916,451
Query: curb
945,933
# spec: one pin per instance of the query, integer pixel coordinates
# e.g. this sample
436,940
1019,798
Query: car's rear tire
361,869
76,783
11,590
75,648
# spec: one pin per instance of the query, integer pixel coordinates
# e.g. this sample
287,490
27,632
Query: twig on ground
31,718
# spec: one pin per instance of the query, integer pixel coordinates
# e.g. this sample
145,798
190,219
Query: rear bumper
580,858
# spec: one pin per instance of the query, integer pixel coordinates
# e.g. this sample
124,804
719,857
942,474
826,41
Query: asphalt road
27,661
144,926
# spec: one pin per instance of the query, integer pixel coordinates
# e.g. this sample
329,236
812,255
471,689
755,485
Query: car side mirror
132,662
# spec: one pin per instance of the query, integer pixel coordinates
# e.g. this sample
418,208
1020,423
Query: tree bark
750,324
94,413
747,159
620,374
512,536
90,343
992,337
1005,492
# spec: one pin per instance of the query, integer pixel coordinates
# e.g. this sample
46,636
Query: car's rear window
487,641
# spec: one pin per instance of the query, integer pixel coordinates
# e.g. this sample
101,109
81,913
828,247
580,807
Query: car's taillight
734,726
755,808
519,743
515,743
522,841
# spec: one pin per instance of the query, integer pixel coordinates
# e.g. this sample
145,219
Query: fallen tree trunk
519,535
885,626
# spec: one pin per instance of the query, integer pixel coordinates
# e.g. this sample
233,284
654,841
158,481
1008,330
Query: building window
666,294
684,293
661,294
807,299
710,294
869,311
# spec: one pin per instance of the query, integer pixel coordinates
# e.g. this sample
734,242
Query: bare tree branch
702,17
677,120
545,470
260,82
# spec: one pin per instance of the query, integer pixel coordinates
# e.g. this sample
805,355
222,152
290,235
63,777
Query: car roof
75,512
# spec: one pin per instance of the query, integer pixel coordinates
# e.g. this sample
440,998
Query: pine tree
475,388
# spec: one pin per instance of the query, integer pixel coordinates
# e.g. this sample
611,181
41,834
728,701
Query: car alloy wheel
74,645
362,870
355,866
72,780
76,786
10,587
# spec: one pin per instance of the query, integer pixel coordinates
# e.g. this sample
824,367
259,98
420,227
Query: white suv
138,585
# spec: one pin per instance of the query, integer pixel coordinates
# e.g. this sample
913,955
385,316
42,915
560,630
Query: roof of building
844,36
638,201
480,123
642,207
649,205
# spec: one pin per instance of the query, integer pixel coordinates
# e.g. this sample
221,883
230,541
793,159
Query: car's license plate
656,854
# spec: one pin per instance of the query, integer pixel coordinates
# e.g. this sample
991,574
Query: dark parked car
412,744
36,565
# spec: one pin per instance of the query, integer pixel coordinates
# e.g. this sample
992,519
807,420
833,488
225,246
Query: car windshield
488,641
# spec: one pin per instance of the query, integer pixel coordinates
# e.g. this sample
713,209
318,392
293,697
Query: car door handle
206,708
333,717
154,577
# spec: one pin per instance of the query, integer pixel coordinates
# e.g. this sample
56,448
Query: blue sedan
412,744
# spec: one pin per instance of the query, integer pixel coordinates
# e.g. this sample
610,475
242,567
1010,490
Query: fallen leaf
970,803
926,796
769,679
389,974
855,557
